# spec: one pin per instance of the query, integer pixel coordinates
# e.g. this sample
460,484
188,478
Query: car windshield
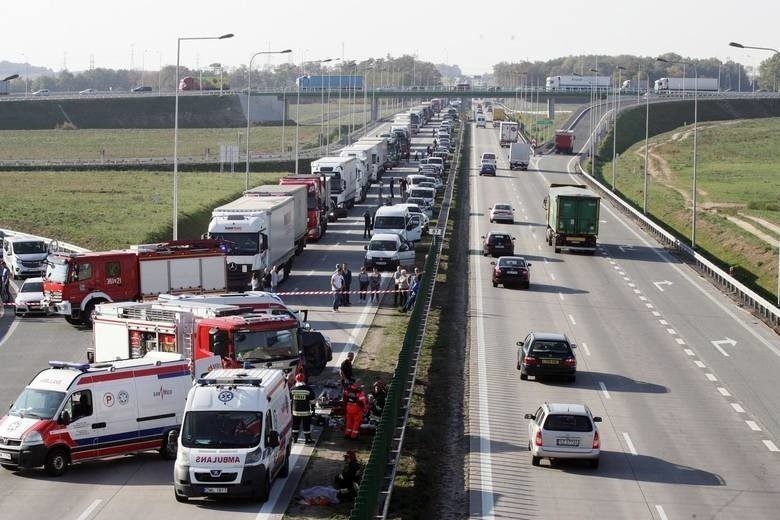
242,243
488,157
28,287
383,222
57,270
509,262
568,423
382,245
222,429
551,347
422,193
503,207
29,248
266,345
500,239
33,402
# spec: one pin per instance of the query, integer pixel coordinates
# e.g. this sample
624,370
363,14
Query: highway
683,378
112,489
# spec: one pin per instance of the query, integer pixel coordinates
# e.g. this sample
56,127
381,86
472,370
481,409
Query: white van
399,220
428,194
388,251
72,412
25,256
414,180
236,436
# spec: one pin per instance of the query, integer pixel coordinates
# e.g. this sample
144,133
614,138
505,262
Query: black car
546,354
511,270
496,243
142,88
487,169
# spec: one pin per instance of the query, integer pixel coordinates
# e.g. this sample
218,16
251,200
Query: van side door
413,228
85,428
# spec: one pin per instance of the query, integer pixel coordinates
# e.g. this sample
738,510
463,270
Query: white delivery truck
72,412
261,231
300,211
366,170
519,156
380,154
368,153
507,133
236,436
344,181
398,220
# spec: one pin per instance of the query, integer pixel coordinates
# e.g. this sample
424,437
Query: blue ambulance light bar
83,367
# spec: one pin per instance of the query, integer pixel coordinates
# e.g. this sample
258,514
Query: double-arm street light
249,105
176,129
298,111
695,137
770,49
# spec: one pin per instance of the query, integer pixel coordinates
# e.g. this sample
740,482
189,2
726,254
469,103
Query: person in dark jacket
348,481
378,398
392,185
347,282
302,408
345,371
367,224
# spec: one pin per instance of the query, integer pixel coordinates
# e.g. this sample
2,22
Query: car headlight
31,439
255,456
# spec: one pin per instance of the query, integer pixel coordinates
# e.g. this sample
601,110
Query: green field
738,177
106,209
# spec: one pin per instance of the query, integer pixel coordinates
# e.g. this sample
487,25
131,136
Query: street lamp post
249,105
770,49
593,119
647,135
695,138
176,128
620,69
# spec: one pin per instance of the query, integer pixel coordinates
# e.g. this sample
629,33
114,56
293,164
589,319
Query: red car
511,270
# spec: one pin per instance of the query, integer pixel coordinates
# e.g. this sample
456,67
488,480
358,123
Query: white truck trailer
507,133
665,85
298,193
519,156
261,232
344,174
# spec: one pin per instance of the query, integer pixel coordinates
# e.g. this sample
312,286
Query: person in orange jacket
356,405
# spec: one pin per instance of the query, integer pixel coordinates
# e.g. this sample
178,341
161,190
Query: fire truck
76,282
211,335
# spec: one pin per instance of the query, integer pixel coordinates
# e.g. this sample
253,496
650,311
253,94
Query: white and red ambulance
72,412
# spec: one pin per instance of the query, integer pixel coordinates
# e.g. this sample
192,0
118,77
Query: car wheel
72,320
168,448
557,249
523,376
265,490
56,462
495,284
593,463
528,285
535,460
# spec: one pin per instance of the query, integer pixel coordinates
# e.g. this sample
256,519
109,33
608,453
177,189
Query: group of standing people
406,287
265,281
341,281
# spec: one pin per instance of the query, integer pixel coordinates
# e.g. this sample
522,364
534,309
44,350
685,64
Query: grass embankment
737,179
104,210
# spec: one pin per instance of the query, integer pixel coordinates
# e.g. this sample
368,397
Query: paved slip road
690,429
142,484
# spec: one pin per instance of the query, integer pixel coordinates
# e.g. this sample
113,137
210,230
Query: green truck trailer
572,218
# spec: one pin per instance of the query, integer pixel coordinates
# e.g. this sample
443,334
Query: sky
142,34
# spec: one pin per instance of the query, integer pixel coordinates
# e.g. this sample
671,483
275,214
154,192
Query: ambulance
72,412
236,436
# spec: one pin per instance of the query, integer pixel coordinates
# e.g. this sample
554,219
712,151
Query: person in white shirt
336,285
274,278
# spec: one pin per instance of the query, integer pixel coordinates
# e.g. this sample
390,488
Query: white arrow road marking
659,284
718,345
88,511
626,248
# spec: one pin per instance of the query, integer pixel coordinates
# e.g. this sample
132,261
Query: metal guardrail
61,246
758,305
376,487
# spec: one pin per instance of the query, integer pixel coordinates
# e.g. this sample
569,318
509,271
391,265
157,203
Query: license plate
576,239
567,442
511,272
215,490
5,456
499,247
380,262
549,362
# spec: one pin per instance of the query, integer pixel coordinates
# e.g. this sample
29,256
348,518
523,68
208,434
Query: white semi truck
298,193
344,173
679,84
261,232
507,133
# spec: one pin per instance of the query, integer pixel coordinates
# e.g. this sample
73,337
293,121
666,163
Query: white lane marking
649,305
604,390
612,262
737,407
753,426
661,512
88,511
630,284
552,276
310,273
724,392
626,278
617,267
546,261
643,298
538,247
671,331
663,322
656,314
571,319
699,364
770,445
720,349
560,295
586,349
711,377
689,352
629,444
680,341
637,291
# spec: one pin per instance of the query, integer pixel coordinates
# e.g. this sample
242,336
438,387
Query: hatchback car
487,169
563,431
142,88
510,271
502,213
546,354
29,299
496,243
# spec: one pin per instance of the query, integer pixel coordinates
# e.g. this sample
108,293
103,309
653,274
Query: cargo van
72,412
25,256
236,436
400,221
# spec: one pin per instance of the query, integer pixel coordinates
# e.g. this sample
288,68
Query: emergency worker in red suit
356,405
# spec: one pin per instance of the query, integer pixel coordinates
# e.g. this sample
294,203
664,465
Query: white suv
563,431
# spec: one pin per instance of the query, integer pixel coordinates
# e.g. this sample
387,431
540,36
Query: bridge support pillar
375,109
550,108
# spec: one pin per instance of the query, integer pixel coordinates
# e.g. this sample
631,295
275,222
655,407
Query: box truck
298,193
572,218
